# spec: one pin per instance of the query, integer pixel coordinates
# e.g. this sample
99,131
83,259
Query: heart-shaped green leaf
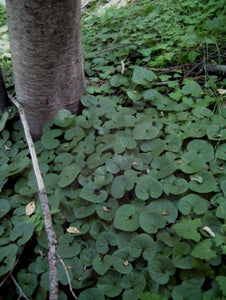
203,148
7,258
120,185
203,250
147,130
121,261
207,185
89,100
188,289
110,284
92,193
142,244
191,87
4,207
49,140
63,118
104,240
28,282
68,247
126,218
102,264
191,162
68,175
162,166
142,75
188,229
221,152
160,269
192,202
82,208
181,256
22,232
147,187
107,210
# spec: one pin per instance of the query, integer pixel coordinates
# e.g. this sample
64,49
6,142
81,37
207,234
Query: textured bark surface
45,40
4,100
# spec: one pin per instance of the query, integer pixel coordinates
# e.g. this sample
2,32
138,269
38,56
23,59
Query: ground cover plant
137,182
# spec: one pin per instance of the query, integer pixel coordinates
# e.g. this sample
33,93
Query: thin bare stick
10,273
19,288
51,235
68,277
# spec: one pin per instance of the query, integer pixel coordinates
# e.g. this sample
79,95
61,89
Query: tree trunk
45,39
4,100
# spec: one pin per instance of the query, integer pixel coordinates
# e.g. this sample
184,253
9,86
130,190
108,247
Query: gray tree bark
45,39
4,100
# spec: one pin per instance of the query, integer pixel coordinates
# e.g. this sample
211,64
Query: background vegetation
137,182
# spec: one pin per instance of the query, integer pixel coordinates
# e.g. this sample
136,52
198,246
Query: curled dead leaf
30,208
106,209
221,91
72,229
126,263
209,231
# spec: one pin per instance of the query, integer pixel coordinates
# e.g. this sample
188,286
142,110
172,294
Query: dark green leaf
68,175
102,265
82,208
173,185
192,202
121,261
147,187
189,290
4,207
126,218
191,162
207,185
221,152
63,118
142,75
142,244
88,100
107,210
92,193
49,140
110,284
90,294
188,229
133,283
146,130
160,269
28,282
22,232
222,282
181,256
104,240
191,87
203,250
7,258
162,166
118,80
68,247
120,185
203,148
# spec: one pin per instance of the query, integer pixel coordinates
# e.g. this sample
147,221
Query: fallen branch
216,69
68,277
51,235
19,288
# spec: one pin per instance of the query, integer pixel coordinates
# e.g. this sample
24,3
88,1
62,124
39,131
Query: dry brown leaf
30,208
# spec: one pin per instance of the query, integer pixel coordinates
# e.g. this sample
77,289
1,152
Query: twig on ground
51,235
19,288
10,273
68,277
